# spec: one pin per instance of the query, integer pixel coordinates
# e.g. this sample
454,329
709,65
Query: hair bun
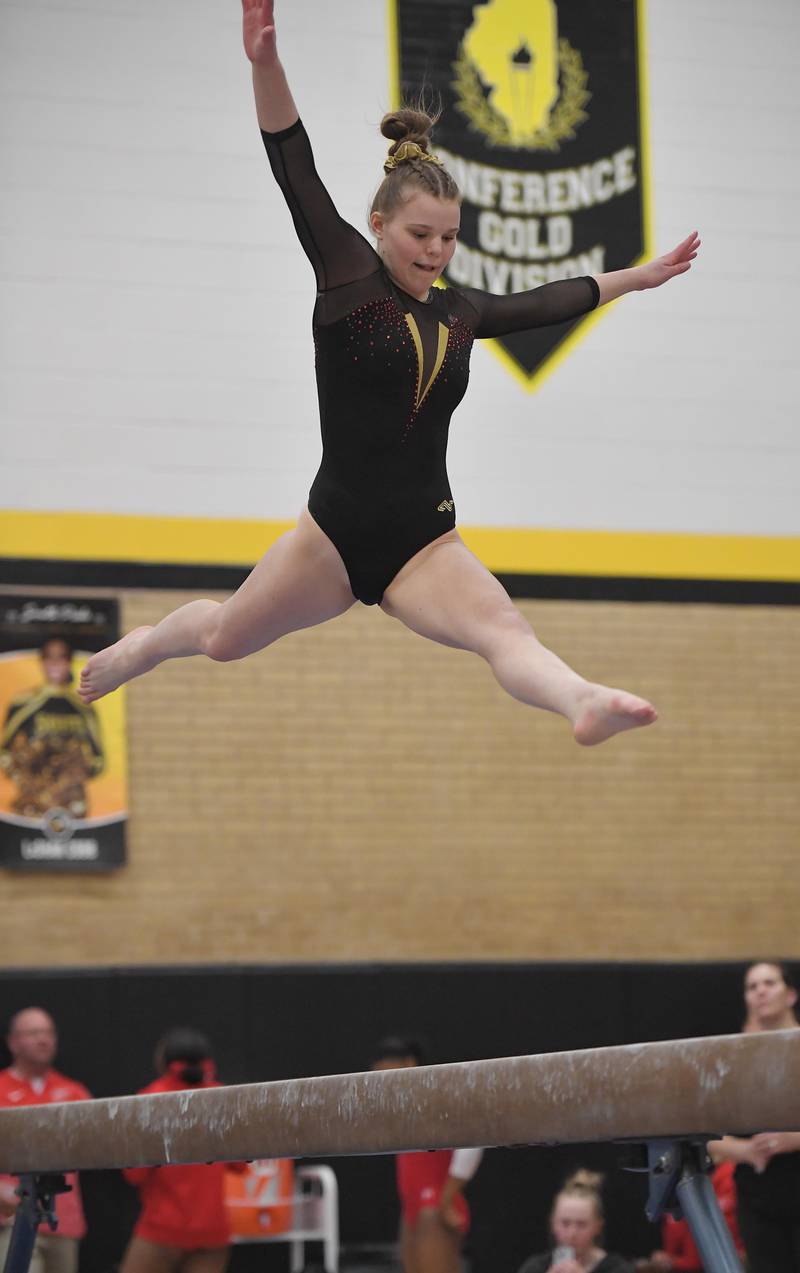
591,1181
408,124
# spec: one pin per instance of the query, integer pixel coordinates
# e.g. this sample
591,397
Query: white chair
315,1218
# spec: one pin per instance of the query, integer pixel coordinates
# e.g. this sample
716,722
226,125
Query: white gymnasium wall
155,308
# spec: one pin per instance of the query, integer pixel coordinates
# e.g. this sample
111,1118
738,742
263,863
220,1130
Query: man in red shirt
31,1080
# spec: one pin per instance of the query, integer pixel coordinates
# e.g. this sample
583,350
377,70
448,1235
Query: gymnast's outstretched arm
570,298
641,278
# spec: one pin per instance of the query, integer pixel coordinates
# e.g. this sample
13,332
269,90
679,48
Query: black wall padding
279,1022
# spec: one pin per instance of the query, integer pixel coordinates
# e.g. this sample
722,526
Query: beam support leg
37,1203
679,1183
699,1204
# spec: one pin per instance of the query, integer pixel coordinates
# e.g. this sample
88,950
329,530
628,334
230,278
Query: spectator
576,1225
678,1251
768,1164
31,1080
434,1214
183,1224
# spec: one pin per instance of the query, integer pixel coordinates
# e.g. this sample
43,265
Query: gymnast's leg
142,1256
37,1264
447,595
435,1248
207,1260
300,582
408,1250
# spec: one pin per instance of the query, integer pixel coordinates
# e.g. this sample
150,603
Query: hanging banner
543,130
63,764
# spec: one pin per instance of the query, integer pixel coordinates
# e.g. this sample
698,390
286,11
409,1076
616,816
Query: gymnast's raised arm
274,102
338,253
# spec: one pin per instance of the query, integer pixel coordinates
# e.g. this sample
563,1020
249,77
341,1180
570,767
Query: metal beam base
679,1183
37,1204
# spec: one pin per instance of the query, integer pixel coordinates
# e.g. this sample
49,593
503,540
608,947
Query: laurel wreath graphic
567,115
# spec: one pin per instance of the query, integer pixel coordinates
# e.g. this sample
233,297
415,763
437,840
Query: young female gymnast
392,357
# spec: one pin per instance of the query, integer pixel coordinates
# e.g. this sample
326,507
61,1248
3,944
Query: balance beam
682,1088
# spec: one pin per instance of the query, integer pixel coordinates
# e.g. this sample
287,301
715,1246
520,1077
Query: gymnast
392,358
434,1215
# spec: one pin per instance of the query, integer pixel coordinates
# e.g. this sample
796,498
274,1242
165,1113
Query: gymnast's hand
768,1144
756,1155
259,32
658,1260
450,1217
663,268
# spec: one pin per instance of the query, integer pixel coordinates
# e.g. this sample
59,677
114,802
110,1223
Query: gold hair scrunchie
409,150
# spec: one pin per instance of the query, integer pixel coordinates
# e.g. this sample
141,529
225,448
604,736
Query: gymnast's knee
219,642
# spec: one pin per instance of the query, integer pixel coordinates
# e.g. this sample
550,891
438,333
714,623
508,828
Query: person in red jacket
31,1080
182,1224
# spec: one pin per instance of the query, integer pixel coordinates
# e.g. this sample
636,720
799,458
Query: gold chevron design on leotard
441,350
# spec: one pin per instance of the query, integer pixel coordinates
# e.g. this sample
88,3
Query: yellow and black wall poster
543,128
63,763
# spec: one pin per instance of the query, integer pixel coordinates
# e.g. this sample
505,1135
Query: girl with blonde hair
576,1226
392,358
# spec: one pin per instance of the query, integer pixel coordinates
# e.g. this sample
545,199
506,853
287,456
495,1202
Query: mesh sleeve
338,253
542,307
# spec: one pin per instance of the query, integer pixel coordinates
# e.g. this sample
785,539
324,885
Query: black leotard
390,372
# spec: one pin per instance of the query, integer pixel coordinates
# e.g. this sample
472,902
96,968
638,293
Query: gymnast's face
418,240
767,996
575,1223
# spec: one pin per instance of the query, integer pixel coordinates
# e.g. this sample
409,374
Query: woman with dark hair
576,1227
392,357
768,1164
182,1224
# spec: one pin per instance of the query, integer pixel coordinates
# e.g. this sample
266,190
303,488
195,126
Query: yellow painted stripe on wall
644,555
234,542
111,537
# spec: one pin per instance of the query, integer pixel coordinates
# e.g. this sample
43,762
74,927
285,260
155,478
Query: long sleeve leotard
390,372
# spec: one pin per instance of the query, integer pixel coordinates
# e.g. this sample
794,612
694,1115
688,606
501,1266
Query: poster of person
63,764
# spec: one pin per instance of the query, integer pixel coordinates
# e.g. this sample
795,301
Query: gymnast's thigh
446,594
436,1247
142,1256
37,1255
299,582
206,1260
59,1255
408,1256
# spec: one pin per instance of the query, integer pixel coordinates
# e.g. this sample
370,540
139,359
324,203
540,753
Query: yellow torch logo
516,81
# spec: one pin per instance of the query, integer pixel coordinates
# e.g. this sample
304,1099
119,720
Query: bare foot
112,667
605,712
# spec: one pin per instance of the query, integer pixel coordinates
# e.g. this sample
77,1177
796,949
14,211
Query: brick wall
358,793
